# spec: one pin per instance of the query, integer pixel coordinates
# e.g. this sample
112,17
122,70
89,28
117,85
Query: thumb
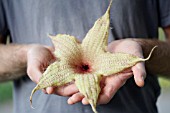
34,72
139,73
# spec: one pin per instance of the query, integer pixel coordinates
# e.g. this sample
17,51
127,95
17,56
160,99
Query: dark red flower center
83,68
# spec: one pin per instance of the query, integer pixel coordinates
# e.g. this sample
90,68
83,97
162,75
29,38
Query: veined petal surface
89,85
96,40
107,63
57,74
66,47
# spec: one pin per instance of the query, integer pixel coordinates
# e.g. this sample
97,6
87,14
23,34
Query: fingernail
69,101
49,90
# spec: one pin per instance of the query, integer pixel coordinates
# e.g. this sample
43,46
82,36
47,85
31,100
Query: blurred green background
6,91
165,83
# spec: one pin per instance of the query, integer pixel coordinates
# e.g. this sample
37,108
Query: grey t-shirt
29,21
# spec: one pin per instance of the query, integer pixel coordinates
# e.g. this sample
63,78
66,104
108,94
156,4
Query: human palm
38,59
110,84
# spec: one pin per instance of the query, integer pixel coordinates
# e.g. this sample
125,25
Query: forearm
159,63
13,61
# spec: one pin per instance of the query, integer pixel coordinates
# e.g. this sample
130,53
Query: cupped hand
131,47
111,84
39,57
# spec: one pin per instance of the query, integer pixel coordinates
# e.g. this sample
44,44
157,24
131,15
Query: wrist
147,45
21,52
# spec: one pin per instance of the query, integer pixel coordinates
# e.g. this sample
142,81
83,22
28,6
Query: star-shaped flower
86,62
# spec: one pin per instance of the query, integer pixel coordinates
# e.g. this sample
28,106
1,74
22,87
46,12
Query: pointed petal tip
33,91
109,7
110,4
31,105
94,109
145,59
31,102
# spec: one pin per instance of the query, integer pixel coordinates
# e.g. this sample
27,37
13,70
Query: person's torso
29,21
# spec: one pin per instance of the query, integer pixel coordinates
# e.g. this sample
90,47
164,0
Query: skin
28,59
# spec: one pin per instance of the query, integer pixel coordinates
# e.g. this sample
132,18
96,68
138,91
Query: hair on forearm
13,61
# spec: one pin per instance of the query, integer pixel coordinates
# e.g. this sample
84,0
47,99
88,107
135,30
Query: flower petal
107,64
96,40
57,74
66,47
88,85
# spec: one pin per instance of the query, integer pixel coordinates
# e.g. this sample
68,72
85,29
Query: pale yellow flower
86,62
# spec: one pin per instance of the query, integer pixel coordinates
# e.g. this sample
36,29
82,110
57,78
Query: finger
122,77
50,90
139,73
66,90
112,84
44,91
85,101
106,95
75,98
34,73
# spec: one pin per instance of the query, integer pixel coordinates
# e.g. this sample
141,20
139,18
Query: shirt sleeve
164,13
3,23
